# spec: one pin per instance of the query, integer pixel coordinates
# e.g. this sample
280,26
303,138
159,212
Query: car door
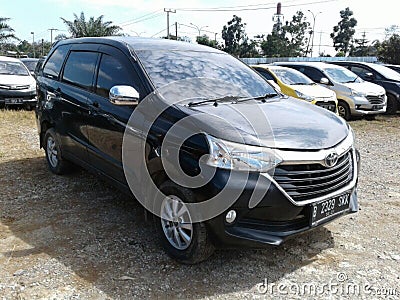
75,86
106,124
365,73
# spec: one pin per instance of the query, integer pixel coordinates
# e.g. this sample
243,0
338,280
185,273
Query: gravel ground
75,237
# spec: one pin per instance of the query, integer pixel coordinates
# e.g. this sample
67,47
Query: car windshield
13,68
387,72
342,75
31,65
292,77
165,67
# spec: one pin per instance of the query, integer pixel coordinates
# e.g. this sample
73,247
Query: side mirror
124,95
324,81
369,75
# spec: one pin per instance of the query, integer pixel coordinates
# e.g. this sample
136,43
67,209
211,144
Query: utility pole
42,47
313,29
168,10
51,34
176,30
215,38
33,44
320,39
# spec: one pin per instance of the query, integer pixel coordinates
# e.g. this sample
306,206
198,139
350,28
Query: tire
197,247
392,105
52,149
344,110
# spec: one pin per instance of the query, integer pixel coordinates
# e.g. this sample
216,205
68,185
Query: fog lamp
230,216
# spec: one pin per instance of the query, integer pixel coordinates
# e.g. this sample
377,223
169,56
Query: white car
355,96
17,85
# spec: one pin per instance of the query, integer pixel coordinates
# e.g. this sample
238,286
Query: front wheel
55,162
392,105
344,110
183,240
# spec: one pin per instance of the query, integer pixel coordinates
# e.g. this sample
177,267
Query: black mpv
204,143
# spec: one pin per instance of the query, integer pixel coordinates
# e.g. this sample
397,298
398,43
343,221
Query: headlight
241,157
303,96
32,87
356,93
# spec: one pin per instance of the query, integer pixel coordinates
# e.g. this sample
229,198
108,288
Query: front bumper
277,216
360,106
18,97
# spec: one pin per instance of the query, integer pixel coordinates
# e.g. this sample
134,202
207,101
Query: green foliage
236,41
389,50
93,27
343,33
6,32
288,40
205,40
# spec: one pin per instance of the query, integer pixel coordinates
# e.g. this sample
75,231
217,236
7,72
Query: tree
343,33
6,32
287,40
94,27
205,40
234,35
296,31
389,50
60,37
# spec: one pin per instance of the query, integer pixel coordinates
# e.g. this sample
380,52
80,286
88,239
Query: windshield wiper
228,98
354,80
262,97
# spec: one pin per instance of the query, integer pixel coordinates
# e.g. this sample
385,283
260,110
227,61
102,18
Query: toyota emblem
331,159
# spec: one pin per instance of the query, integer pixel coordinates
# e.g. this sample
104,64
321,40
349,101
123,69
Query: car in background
393,67
378,74
295,84
30,63
17,85
355,96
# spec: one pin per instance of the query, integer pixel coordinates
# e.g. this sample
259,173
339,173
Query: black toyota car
217,156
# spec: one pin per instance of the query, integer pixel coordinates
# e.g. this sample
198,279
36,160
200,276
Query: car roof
6,58
270,67
142,43
29,59
316,64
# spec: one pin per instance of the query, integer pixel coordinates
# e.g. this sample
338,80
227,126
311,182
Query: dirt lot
76,237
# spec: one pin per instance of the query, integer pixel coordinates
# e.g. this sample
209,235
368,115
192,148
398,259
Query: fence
269,60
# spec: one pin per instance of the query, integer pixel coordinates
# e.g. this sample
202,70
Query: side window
265,74
314,74
113,71
360,71
79,69
54,64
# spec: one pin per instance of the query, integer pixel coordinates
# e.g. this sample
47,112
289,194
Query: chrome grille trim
376,99
315,183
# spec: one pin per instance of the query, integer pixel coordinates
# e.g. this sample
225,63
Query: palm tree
94,27
6,32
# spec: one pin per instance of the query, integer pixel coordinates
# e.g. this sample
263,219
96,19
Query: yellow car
294,83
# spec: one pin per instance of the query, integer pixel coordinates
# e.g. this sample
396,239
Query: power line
139,18
165,29
247,8
142,20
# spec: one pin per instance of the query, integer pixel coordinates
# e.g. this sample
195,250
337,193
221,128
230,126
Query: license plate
377,107
13,101
328,208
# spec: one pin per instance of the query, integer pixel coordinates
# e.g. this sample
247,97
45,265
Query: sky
147,18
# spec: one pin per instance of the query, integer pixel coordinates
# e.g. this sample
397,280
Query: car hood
16,80
366,87
293,124
314,90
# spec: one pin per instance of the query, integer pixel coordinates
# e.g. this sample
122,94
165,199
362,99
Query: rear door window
265,74
55,62
314,74
80,68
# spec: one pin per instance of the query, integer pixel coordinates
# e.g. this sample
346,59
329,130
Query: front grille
26,97
376,99
309,181
14,87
